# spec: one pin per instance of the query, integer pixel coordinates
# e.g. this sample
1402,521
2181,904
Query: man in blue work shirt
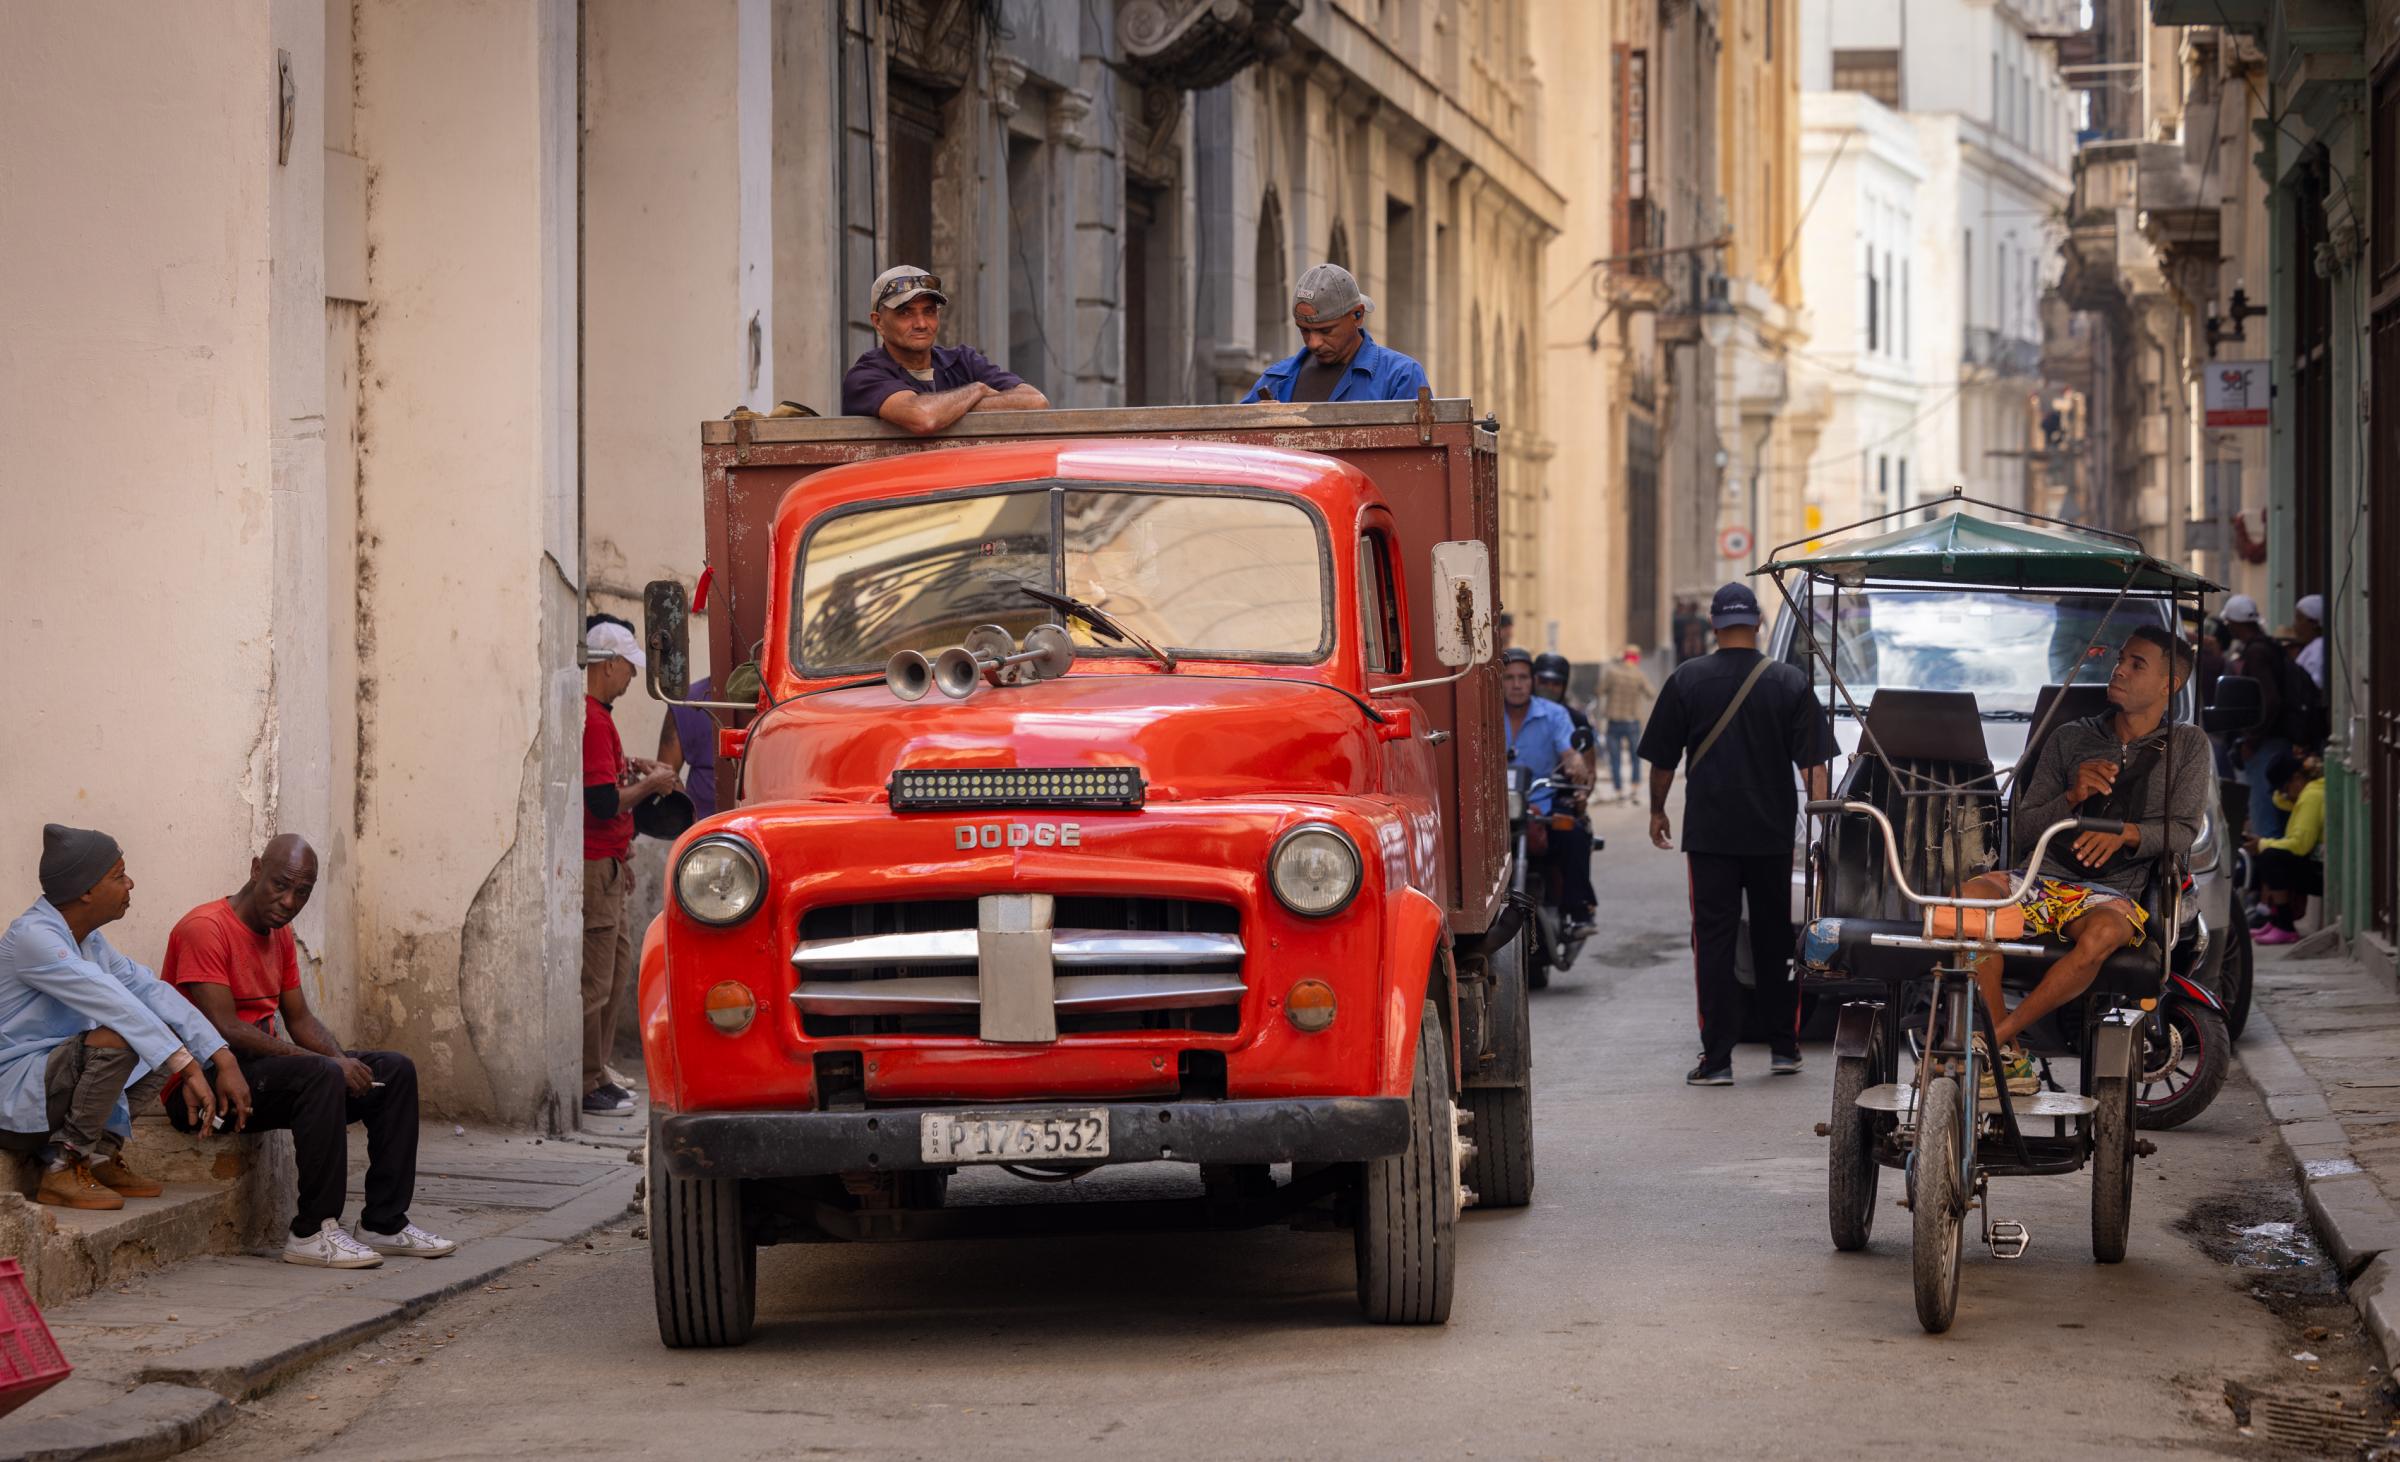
1337,360
1539,731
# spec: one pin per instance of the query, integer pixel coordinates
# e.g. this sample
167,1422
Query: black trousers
306,1096
1721,885
1571,851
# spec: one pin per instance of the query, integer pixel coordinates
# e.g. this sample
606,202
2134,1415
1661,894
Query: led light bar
935,789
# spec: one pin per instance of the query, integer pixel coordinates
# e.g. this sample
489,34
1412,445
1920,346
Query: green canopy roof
1961,548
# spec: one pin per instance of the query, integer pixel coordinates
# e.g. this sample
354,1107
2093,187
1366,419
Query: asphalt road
1672,1292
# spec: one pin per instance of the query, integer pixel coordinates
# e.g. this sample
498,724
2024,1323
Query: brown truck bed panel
1434,466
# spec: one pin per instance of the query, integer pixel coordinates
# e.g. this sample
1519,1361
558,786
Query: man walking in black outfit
1738,724
236,960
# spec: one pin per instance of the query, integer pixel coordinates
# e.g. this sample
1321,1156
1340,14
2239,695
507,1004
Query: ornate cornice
1196,44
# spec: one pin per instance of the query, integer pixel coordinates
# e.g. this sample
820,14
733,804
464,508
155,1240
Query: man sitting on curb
86,1034
236,960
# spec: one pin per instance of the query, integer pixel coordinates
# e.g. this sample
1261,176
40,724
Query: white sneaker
330,1248
615,1077
411,1241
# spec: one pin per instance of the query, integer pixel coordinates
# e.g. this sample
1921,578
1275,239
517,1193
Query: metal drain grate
2317,1425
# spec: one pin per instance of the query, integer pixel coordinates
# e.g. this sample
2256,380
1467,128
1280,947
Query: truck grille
1113,964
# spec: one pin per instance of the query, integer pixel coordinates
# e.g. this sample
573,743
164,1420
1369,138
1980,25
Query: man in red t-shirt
613,785
235,959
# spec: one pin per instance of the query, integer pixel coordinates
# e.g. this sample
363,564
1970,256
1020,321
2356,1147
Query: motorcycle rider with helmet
1571,847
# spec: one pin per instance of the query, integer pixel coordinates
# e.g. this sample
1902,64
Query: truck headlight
719,879
2204,845
1314,869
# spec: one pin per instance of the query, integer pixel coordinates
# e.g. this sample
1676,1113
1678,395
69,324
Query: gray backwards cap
1328,291
73,859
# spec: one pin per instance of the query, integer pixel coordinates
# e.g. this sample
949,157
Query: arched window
1272,300
1337,248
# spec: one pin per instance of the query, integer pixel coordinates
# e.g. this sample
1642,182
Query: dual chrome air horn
988,654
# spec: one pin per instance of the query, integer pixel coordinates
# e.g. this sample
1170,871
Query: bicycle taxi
1918,811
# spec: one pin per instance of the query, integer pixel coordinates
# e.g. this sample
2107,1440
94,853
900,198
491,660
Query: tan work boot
112,1174
71,1186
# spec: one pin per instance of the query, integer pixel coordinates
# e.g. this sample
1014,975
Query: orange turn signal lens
1309,1006
731,1007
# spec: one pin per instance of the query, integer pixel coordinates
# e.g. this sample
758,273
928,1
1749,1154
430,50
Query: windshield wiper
1104,624
2008,715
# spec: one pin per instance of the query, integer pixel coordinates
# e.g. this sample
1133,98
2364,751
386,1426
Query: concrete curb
148,1421
2347,1209
184,1401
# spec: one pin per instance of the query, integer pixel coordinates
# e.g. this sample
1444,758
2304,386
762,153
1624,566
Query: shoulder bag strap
1731,710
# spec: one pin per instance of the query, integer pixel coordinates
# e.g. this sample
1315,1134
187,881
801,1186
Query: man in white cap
913,383
2308,634
613,785
2260,656
1337,359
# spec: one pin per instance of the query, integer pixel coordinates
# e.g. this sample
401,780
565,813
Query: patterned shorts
2052,904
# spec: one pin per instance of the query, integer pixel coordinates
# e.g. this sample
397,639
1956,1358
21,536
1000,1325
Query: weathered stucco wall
465,659
666,331
161,398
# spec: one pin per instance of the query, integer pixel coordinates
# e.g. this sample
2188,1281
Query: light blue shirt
1376,373
1540,743
52,990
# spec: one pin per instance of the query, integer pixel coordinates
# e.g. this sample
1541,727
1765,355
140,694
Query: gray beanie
73,859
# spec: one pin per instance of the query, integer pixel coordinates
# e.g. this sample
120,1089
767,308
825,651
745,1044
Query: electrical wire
1818,192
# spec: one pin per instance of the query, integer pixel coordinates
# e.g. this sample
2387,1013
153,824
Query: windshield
2003,647
1206,574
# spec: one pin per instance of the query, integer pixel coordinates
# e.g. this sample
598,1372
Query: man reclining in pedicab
2119,765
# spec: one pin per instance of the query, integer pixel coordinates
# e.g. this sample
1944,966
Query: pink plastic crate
29,1360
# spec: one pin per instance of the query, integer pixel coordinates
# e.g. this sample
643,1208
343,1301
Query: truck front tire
1408,1205
703,1266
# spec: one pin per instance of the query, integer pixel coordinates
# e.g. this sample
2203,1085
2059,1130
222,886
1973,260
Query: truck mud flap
1497,1017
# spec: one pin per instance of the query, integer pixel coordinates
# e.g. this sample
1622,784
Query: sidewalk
2323,1047
160,1361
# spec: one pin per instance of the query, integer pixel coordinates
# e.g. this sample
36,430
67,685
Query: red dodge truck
1124,786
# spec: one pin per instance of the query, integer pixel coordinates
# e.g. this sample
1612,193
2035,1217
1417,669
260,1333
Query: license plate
1031,1137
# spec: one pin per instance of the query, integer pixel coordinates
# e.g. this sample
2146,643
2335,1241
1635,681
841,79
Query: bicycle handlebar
2033,864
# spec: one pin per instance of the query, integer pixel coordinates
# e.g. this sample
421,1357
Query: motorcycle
1536,879
2187,1046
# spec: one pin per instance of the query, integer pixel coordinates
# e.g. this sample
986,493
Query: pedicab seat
1839,947
1867,931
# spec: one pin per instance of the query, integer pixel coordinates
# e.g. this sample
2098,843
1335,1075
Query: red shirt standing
212,946
604,766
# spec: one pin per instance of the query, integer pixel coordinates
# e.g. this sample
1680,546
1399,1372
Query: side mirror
1462,602
1582,740
2238,706
667,638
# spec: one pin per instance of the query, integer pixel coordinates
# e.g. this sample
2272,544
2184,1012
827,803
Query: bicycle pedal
2009,1239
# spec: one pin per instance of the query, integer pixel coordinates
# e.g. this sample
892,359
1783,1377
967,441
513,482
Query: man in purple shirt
913,383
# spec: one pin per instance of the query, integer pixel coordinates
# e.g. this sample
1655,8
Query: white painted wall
469,847
163,571
670,283
1882,401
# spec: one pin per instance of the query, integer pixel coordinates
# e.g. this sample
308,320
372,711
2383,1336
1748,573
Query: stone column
468,805
1068,113
1444,360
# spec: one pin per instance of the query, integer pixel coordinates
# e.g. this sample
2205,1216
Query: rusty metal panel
1438,472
